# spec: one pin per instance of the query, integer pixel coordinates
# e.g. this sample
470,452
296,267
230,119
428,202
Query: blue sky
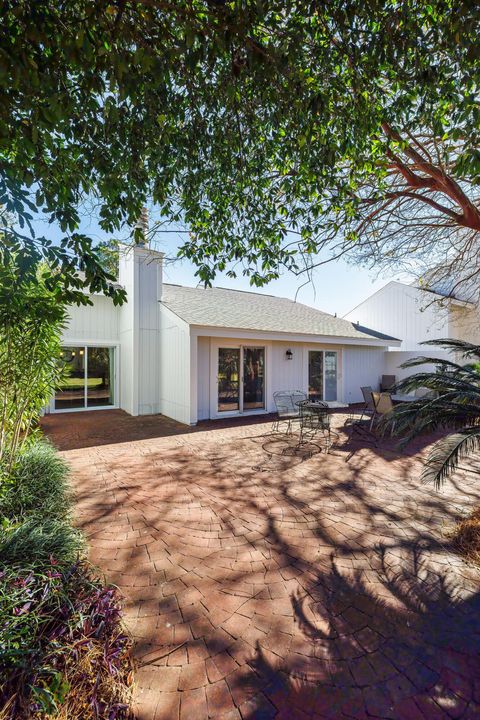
336,287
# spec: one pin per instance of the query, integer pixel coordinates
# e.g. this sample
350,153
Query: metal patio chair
287,411
314,419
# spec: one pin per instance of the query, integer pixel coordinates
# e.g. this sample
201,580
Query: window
322,375
89,378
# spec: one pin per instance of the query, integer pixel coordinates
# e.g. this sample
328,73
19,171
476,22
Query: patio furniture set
313,416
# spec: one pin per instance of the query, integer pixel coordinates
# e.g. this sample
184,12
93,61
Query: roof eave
220,330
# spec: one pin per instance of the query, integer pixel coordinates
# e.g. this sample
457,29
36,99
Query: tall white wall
140,273
404,312
93,323
362,367
174,367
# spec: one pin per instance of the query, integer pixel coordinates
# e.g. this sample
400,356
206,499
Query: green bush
37,541
37,485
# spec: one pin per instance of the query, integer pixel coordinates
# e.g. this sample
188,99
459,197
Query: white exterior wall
174,367
203,372
393,360
128,335
95,323
149,294
404,312
356,366
363,367
140,273
465,324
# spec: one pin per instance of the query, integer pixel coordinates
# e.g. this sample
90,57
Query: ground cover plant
63,652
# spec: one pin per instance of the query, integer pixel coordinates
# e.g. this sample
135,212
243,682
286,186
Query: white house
195,353
415,315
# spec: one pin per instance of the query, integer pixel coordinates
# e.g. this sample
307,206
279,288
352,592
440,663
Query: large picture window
89,378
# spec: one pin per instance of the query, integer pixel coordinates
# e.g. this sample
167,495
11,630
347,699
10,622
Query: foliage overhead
453,403
31,322
343,123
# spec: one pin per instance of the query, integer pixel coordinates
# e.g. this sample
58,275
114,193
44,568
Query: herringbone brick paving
265,582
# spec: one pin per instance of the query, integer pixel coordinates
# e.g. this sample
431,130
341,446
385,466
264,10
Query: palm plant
452,402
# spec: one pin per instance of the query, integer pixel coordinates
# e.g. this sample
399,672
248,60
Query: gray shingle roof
219,307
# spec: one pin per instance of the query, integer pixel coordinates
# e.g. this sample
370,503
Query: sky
336,287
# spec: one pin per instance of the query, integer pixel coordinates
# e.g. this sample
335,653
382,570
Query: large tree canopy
352,124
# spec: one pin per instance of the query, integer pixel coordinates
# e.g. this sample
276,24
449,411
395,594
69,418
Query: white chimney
140,273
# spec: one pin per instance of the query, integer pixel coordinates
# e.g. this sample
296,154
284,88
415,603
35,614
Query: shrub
37,541
62,650
31,322
37,485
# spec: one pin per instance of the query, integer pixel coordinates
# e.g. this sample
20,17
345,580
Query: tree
31,323
273,130
454,404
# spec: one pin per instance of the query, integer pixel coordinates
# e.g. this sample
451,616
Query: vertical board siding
362,367
93,322
287,374
174,370
203,384
404,312
149,268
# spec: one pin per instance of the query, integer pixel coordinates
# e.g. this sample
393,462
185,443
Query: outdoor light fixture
289,354
81,352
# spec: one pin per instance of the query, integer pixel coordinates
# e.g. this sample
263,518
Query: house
416,315
196,353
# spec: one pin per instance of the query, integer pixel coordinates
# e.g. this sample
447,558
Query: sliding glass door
71,393
322,375
89,378
241,379
228,379
253,378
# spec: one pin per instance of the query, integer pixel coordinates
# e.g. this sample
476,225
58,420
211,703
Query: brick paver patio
260,582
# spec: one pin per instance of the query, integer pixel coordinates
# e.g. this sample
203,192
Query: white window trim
338,352
116,373
215,413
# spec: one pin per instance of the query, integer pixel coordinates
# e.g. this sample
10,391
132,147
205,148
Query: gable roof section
219,307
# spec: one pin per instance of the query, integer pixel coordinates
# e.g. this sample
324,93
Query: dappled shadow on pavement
266,580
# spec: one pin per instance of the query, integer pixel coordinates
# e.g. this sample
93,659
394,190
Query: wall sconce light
289,354
81,352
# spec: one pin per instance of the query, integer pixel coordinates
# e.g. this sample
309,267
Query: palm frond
442,363
446,454
467,349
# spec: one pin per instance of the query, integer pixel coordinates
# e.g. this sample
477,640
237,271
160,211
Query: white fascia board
210,331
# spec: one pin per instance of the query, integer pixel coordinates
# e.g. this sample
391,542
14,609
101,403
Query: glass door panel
330,375
71,393
253,378
228,379
100,378
315,375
